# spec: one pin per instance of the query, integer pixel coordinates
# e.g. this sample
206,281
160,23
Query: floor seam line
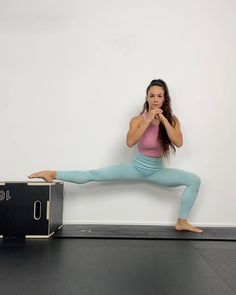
214,270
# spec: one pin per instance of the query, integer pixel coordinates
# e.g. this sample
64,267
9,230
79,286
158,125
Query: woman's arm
174,133
137,127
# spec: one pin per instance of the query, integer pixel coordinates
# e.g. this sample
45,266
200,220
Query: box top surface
31,182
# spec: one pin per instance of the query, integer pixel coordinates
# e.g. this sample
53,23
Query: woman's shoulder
175,119
141,117
138,118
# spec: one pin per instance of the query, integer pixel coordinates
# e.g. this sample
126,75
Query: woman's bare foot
47,175
182,224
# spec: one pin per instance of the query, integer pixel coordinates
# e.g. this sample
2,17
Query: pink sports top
148,144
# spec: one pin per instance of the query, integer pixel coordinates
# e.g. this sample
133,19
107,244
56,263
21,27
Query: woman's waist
147,161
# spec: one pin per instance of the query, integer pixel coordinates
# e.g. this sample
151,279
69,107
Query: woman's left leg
176,177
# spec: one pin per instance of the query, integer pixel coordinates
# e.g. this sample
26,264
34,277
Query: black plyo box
30,209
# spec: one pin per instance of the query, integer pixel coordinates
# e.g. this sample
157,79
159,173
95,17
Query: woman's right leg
124,171
136,169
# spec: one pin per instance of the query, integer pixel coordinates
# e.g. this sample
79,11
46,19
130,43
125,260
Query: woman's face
155,97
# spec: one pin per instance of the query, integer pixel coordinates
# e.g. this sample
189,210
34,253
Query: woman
155,131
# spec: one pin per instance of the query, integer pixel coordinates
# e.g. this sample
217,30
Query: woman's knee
196,180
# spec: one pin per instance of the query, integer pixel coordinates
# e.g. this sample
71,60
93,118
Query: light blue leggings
142,167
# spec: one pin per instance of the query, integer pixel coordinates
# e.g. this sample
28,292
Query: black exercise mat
144,232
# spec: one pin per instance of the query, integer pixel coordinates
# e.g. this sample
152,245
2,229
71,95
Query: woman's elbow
129,144
179,144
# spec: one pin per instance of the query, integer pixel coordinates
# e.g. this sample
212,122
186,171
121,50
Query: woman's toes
199,230
196,229
32,175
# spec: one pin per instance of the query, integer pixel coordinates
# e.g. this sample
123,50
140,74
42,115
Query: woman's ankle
182,220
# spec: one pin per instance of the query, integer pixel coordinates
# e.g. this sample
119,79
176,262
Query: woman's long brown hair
166,144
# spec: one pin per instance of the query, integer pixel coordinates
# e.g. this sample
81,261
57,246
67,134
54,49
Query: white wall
73,73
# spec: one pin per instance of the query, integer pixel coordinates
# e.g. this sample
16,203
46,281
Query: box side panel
18,216
56,206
